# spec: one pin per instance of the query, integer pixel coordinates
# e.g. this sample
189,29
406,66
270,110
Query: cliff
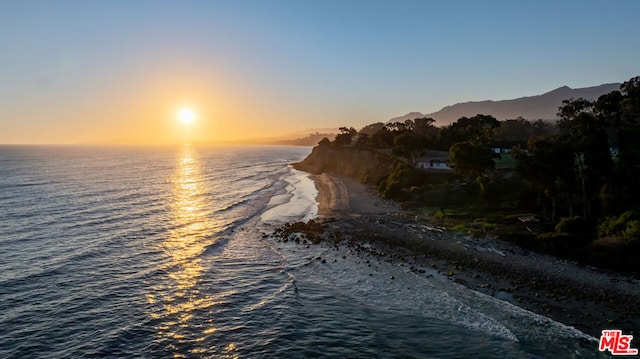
364,166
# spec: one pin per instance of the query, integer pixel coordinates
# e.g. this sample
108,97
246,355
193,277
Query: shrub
571,225
632,231
627,226
404,176
440,214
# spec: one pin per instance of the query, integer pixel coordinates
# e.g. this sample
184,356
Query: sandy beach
586,298
341,196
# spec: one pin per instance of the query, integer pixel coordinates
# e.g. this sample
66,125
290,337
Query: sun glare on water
186,116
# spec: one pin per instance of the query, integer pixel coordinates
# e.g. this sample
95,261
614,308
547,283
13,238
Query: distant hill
543,106
309,137
409,116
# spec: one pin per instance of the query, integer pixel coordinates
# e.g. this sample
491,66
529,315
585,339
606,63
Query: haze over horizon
105,71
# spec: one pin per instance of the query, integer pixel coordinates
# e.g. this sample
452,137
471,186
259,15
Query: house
434,160
500,150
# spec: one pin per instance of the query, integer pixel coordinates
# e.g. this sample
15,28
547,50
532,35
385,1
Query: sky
119,71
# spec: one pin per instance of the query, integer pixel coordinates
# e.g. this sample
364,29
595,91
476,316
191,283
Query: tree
424,127
409,146
621,110
399,127
629,127
324,142
631,101
474,160
543,128
585,129
409,125
362,140
345,136
471,160
477,129
382,138
516,132
549,166
372,128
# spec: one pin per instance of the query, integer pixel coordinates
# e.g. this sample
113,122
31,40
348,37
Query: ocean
164,252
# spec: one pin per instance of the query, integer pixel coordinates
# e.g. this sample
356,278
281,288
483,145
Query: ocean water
161,252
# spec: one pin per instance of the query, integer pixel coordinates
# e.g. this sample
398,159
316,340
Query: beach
586,298
339,196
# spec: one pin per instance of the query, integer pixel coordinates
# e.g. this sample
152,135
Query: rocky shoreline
586,298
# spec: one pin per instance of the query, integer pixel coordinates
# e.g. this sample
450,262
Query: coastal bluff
362,165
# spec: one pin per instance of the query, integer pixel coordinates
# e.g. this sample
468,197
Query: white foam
374,281
298,204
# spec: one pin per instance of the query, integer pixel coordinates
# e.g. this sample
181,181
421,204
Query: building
434,160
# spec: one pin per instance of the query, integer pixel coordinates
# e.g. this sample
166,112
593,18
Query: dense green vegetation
568,188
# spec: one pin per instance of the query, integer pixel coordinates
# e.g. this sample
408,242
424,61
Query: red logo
616,343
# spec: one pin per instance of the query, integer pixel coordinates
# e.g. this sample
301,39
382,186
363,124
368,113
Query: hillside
543,106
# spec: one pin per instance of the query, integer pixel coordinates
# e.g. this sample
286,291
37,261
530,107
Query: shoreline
586,298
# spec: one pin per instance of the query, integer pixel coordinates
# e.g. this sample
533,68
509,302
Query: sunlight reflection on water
179,297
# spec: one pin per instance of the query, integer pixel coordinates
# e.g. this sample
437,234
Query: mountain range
543,106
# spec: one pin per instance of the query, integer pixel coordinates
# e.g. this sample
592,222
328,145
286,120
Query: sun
186,116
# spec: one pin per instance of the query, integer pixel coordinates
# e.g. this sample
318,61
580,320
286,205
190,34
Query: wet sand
583,297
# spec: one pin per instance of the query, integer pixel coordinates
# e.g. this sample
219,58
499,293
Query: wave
10,186
256,172
370,282
300,203
217,247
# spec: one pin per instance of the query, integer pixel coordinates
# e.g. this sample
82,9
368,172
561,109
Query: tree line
585,166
